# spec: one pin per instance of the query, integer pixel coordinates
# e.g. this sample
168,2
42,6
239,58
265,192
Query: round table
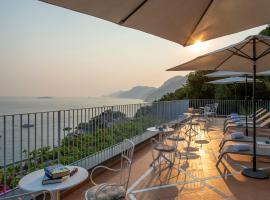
33,182
155,129
163,131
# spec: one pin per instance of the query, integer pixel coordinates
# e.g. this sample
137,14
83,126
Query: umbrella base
258,174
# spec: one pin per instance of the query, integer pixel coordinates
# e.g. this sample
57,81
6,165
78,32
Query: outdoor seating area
189,158
191,171
202,134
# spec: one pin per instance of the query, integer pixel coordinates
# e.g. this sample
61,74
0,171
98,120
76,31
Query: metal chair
40,195
165,152
213,110
113,191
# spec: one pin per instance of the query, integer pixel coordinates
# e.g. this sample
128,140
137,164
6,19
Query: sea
21,105
14,138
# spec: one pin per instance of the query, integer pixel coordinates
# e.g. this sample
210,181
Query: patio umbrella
180,21
223,74
236,80
231,80
249,55
219,74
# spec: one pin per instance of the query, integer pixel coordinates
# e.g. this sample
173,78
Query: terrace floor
194,178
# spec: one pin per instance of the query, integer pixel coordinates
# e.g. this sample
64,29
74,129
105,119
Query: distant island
45,97
150,94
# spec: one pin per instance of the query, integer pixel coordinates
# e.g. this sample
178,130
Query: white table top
191,114
33,181
154,129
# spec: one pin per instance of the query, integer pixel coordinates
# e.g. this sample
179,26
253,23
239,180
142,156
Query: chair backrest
258,112
40,195
206,110
263,117
261,113
126,162
265,124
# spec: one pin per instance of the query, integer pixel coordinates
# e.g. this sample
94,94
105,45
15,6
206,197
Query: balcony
197,178
194,177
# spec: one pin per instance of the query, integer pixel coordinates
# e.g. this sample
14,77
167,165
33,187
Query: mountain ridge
150,94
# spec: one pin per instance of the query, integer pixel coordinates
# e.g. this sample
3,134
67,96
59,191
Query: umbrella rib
238,54
132,12
242,52
233,53
198,22
223,62
265,43
267,51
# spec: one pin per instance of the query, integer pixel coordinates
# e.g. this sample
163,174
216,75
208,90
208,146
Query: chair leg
222,145
220,158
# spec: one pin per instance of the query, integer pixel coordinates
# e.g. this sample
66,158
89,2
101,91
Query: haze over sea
19,105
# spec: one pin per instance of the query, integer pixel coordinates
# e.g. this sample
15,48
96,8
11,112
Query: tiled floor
194,178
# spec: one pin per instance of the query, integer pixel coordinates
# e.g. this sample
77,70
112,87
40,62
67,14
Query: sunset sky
50,51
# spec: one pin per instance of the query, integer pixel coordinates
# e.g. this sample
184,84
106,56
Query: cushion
241,147
233,114
237,135
235,118
108,192
238,123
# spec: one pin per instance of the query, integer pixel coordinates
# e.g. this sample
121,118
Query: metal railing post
59,138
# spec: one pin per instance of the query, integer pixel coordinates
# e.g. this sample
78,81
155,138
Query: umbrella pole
254,172
254,118
235,100
246,112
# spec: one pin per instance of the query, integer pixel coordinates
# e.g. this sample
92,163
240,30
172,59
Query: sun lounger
236,115
241,119
245,139
262,122
259,118
261,152
243,116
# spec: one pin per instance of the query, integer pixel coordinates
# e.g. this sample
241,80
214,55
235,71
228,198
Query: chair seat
164,147
176,138
201,141
108,192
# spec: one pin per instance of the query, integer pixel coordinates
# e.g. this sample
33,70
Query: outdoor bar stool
175,140
166,153
203,123
193,128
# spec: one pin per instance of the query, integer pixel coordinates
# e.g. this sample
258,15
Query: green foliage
74,148
265,31
195,88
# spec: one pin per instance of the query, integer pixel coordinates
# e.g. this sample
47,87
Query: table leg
56,195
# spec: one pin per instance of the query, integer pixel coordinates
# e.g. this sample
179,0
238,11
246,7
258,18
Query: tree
195,88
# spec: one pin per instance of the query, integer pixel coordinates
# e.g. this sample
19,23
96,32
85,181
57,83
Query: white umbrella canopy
231,80
180,21
266,73
221,74
237,57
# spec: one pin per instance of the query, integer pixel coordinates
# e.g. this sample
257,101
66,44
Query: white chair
114,191
40,195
